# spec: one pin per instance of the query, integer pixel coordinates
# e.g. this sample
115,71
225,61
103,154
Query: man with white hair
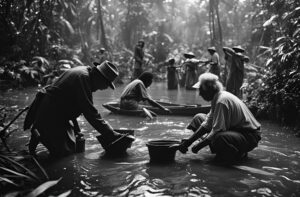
232,131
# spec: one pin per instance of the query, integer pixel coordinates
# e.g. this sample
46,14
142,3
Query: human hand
79,135
200,145
183,146
167,110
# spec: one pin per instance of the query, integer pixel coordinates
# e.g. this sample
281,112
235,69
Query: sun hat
141,41
238,49
109,71
212,49
189,55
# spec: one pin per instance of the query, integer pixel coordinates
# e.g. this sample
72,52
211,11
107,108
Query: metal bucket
162,151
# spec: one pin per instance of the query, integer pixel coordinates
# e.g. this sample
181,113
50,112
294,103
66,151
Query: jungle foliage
40,39
276,91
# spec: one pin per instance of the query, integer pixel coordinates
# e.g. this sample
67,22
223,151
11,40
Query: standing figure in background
214,61
190,66
172,75
102,55
235,60
138,59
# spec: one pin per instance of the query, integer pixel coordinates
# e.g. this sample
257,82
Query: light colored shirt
215,58
228,113
135,90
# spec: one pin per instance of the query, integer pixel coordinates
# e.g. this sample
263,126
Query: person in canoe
64,100
231,129
135,93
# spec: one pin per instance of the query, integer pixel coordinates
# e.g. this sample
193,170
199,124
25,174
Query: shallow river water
272,168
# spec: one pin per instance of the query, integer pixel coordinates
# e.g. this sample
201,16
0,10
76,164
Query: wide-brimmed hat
109,71
212,49
189,55
238,49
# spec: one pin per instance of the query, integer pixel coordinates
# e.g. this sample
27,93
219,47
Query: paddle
149,113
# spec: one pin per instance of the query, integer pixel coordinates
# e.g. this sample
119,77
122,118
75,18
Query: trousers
231,142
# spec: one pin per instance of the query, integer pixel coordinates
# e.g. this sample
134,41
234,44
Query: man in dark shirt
67,98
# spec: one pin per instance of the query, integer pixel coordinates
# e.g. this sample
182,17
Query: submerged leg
34,141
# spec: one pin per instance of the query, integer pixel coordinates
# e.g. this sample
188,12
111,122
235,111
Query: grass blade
21,166
8,181
43,187
65,194
41,168
16,173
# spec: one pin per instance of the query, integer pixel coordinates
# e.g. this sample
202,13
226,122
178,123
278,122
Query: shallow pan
120,145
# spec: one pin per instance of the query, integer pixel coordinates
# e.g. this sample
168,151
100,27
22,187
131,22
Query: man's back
233,112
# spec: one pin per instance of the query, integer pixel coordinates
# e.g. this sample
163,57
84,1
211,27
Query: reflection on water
271,170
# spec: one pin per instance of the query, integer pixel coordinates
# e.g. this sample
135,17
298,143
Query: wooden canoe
176,109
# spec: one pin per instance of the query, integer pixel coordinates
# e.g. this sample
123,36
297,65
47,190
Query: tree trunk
210,25
212,18
103,35
98,21
127,32
219,24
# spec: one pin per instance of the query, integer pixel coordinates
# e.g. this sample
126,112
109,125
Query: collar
214,100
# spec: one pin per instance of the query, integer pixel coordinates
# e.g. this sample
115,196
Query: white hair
209,80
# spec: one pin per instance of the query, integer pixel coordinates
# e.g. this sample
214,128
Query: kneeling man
231,129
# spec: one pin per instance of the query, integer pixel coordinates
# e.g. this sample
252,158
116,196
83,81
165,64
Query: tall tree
100,21
213,18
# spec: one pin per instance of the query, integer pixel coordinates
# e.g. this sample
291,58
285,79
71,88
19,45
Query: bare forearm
155,104
199,133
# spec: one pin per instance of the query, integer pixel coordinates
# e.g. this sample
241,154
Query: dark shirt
73,94
138,56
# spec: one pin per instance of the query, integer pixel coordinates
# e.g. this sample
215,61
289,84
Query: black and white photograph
150,98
